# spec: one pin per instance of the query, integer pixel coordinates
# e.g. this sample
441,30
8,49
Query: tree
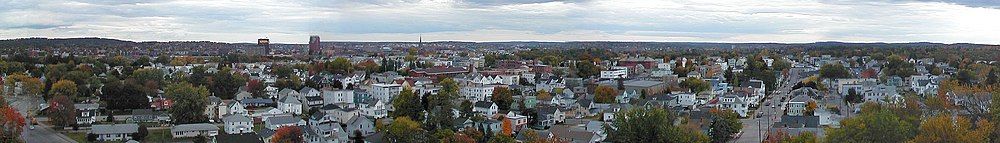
466,108
501,138
696,85
61,111
502,97
123,94
605,94
288,134
256,88
11,123
810,108
407,104
543,95
141,133
442,135
875,124
725,123
587,69
225,83
402,129
832,71
649,125
64,88
340,65
506,127
945,128
853,96
369,66
358,137
187,98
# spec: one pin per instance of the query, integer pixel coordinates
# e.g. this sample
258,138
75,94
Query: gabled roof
279,120
236,118
801,98
194,127
115,129
484,104
289,100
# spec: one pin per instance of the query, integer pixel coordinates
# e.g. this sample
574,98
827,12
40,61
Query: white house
193,130
374,108
86,113
923,84
477,92
797,105
733,102
114,132
384,92
881,93
238,124
338,96
617,72
237,108
486,108
686,99
289,104
274,123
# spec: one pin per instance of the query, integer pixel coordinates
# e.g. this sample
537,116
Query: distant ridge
97,42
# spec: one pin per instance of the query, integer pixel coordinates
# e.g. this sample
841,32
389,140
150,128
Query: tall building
266,43
314,45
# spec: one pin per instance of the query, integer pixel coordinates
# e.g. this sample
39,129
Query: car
32,127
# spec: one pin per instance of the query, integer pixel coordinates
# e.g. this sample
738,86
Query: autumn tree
61,111
810,108
605,94
853,96
256,88
875,124
502,97
64,88
11,123
187,98
543,95
402,129
946,128
696,85
506,127
288,134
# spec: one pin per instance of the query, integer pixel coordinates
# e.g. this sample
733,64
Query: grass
160,135
78,136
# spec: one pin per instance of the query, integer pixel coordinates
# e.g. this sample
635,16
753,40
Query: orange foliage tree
288,134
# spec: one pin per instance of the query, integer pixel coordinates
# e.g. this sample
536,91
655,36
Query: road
42,133
755,129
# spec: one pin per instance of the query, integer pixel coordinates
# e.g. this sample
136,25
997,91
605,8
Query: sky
293,21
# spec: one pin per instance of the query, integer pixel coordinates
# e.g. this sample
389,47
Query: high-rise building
266,43
314,48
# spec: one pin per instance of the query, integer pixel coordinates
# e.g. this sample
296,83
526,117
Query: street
42,133
755,129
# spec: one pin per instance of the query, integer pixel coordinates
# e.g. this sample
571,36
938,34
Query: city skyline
894,21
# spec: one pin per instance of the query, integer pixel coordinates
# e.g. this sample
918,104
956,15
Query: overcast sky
285,21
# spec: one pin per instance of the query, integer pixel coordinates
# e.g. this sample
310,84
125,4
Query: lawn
78,136
161,135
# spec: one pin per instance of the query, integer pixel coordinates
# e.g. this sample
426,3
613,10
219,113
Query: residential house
374,108
486,108
114,132
86,113
360,123
550,115
237,124
193,130
276,122
291,105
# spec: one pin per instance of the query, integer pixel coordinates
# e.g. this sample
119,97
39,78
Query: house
338,96
477,92
550,115
617,72
384,92
275,122
193,130
881,93
143,115
237,124
486,108
212,108
685,99
243,95
86,113
573,134
238,108
797,105
374,108
345,114
289,104
924,85
648,87
733,102
114,132
360,123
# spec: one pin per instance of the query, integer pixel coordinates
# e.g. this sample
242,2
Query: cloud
501,20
